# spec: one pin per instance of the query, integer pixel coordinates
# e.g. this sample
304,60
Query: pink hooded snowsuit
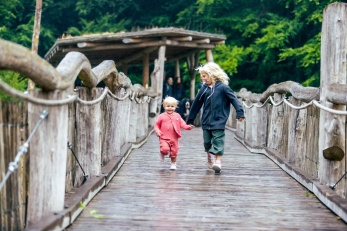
170,127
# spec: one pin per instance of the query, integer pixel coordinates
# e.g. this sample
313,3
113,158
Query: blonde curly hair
170,100
214,71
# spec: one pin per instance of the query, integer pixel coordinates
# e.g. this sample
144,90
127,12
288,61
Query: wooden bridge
252,193
93,149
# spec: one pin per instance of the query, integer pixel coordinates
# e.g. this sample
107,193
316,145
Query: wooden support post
177,68
145,70
192,61
160,80
209,55
48,150
333,70
154,107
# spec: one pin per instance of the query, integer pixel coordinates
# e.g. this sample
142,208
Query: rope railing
126,95
22,150
95,101
284,100
71,98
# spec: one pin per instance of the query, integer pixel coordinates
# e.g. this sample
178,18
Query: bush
14,80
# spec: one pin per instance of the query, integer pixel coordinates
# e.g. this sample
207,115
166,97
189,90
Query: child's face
170,108
206,78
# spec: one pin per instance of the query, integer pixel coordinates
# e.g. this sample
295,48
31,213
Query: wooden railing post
276,131
256,127
333,70
48,149
111,143
133,121
89,119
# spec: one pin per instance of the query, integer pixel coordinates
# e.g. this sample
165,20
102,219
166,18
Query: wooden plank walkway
252,193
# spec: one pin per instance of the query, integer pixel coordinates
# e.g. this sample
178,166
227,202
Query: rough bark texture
306,94
88,134
333,70
13,193
48,150
276,126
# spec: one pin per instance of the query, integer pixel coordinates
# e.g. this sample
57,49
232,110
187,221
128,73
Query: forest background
268,41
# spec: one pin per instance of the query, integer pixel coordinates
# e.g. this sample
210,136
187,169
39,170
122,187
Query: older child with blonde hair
168,129
215,96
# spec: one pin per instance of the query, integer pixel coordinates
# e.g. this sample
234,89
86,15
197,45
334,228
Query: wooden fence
79,138
303,129
13,195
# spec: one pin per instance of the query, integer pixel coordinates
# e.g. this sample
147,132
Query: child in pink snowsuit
168,129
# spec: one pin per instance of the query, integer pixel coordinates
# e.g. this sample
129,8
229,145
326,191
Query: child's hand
191,126
158,133
241,119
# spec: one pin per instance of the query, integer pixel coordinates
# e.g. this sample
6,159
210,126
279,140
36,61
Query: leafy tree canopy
267,41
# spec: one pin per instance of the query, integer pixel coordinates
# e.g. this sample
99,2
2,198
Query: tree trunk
36,35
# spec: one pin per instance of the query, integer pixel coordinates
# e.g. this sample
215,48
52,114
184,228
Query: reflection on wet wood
252,193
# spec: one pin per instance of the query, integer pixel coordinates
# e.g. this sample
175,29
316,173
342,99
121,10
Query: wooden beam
134,40
218,42
207,40
191,45
86,44
140,45
136,55
118,46
187,38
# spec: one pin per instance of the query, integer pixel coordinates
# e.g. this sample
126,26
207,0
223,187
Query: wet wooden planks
252,193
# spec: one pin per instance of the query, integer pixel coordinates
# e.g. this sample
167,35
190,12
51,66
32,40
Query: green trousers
214,141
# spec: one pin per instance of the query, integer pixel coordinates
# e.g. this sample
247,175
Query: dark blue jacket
216,106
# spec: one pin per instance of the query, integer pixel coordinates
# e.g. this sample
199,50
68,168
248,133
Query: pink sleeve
157,124
184,125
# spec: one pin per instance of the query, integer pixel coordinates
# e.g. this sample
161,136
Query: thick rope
313,102
119,98
71,98
101,97
24,96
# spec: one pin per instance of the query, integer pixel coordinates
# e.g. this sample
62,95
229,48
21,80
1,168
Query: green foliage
14,80
93,213
267,41
230,57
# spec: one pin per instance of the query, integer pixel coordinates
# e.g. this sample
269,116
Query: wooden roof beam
218,42
135,56
88,44
140,45
183,39
206,40
134,40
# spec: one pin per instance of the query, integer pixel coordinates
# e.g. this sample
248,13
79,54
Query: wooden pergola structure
141,47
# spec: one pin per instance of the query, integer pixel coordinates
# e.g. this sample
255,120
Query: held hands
241,119
191,126
158,133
